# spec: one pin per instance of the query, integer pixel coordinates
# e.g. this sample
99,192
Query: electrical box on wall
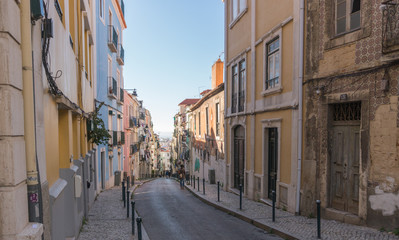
78,186
36,9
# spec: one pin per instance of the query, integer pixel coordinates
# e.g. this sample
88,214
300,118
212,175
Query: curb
143,231
265,227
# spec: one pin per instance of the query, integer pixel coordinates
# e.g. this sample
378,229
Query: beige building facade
262,99
351,118
207,159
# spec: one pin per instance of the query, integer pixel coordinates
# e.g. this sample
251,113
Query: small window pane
277,65
271,67
341,25
242,5
355,20
273,46
355,6
234,8
341,10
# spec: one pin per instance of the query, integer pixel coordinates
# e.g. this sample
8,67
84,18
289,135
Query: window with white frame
272,64
347,15
237,7
238,86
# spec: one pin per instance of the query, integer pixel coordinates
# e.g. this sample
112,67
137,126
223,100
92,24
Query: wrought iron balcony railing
112,39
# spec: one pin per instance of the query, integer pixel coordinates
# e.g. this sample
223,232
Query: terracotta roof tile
189,101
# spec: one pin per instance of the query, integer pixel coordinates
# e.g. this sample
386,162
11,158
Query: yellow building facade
68,79
262,98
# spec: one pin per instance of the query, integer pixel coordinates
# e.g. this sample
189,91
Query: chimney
217,73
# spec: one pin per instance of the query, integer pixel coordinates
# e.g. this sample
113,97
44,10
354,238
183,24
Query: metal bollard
218,192
139,228
123,194
133,181
133,203
274,206
203,185
240,197
194,182
128,182
191,180
318,220
198,183
127,203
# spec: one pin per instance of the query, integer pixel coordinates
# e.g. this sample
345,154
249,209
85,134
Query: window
237,7
217,119
207,121
102,8
238,89
273,64
234,89
195,124
241,93
199,123
347,15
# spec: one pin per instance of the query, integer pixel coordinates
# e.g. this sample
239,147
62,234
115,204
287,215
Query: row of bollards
192,180
126,198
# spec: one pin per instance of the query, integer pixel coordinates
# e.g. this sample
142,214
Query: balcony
112,88
120,56
132,122
112,39
390,28
133,149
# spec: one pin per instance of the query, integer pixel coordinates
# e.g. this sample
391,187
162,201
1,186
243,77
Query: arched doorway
239,156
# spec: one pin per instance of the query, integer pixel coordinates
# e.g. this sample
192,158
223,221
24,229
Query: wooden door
272,160
345,168
239,156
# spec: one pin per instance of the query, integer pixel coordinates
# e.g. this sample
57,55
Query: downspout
33,181
227,173
300,105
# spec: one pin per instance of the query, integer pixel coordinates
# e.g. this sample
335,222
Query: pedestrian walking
182,175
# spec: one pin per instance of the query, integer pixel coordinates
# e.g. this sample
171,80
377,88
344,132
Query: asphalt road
171,213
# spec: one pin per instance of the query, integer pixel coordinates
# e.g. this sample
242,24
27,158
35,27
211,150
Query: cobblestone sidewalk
107,219
287,225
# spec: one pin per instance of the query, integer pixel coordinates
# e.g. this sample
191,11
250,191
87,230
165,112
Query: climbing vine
97,133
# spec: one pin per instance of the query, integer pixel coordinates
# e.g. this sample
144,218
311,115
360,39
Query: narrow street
171,213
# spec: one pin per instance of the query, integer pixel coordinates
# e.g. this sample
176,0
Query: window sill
231,25
347,37
277,89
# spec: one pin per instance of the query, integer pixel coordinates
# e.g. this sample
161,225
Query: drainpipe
33,181
300,107
227,174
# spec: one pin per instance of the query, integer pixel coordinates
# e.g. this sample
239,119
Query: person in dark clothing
182,176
